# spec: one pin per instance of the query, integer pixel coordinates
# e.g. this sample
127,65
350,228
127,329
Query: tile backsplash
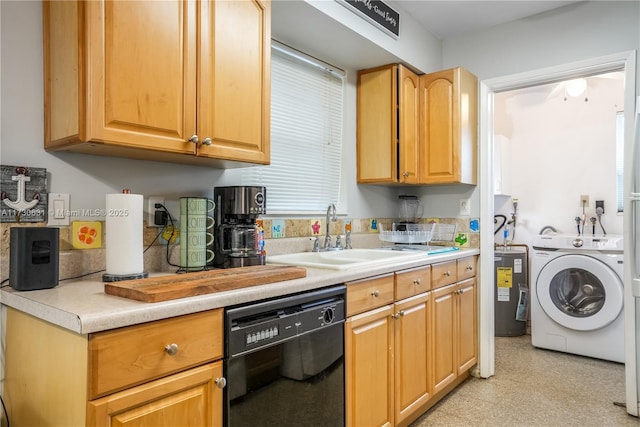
282,236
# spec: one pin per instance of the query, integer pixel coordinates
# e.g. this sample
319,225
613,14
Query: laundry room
558,214
553,147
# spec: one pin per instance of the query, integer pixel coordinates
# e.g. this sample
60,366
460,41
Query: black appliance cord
495,221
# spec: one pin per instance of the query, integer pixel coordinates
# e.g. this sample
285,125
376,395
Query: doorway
488,89
554,145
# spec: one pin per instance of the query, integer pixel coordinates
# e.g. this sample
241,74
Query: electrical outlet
465,207
151,210
584,201
600,204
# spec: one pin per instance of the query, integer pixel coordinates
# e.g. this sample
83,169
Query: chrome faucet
331,216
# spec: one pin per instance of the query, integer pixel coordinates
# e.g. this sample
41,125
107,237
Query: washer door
580,292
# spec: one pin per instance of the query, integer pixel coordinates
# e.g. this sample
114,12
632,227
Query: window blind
306,135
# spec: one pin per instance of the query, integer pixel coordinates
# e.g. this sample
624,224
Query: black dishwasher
284,361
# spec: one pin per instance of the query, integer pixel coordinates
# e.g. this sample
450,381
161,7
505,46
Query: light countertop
82,306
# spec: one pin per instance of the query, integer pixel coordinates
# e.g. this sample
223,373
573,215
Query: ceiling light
576,87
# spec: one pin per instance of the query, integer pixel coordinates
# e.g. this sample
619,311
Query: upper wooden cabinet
387,142
449,127
179,81
416,129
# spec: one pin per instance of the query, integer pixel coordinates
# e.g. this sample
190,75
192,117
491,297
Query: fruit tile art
86,234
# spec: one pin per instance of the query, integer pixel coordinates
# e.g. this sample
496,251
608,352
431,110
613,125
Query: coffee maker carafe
236,232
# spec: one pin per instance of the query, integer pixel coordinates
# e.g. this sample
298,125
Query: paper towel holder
110,277
106,277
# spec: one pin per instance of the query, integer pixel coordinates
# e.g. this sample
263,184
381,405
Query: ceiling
450,18
301,25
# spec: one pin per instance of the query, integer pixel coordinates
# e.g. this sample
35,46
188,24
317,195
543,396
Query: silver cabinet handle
398,314
206,141
171,349
194,138
447,273
417,281
469,268
375,294
221,382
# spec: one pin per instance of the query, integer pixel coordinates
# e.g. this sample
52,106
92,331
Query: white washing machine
577,295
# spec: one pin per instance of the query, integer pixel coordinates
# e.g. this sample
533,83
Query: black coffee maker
236,240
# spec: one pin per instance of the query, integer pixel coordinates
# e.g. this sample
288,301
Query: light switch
58,209
58,213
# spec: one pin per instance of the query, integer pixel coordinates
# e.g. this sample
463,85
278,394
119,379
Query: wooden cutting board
155,289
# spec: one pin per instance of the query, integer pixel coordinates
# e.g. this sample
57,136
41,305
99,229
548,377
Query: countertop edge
84,308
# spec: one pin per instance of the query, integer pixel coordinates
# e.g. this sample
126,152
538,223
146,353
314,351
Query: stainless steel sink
340,260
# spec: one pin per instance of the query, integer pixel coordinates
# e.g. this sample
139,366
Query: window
619,160
307,98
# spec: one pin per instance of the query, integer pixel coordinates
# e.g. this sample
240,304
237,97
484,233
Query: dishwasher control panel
254,326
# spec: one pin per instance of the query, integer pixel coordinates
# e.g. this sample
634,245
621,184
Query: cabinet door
141,74
190,398
444,337
412,354
467,325
439,142
377,127
448,127
369,368
234,80
408,139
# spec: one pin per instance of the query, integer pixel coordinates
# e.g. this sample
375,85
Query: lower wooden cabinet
387,352
467,327
369,368
405,353
190,398
162,373
412,351
454,331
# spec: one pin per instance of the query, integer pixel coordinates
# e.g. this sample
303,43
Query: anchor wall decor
23,194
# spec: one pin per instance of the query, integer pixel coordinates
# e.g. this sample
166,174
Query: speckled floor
535,387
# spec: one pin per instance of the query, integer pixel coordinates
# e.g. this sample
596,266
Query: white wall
559,150
572,33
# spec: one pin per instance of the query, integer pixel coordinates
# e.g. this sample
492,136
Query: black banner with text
378,12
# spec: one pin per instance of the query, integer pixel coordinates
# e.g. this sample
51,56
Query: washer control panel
585,242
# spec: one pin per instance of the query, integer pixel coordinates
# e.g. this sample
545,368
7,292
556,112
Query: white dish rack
418,233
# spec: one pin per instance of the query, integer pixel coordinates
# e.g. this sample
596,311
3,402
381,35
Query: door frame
619,61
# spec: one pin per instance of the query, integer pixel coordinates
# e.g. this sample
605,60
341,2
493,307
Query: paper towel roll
124,234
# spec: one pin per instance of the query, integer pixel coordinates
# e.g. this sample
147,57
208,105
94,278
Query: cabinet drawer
466,267
413,282
363,295
443,273
133,355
